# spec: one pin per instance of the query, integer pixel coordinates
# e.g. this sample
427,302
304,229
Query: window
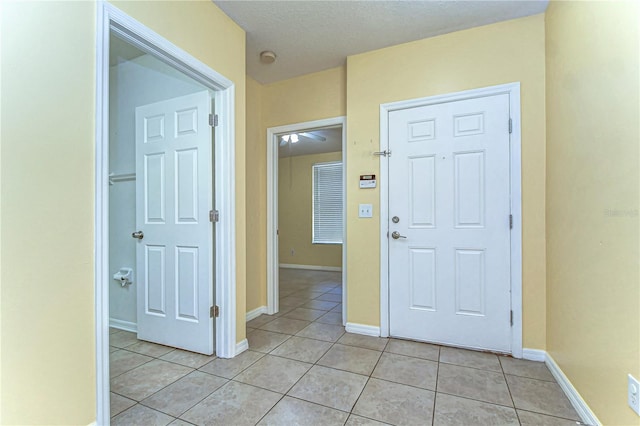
327,203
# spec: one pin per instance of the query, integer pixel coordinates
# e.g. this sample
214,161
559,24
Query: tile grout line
435,392
297,381
270,353
140,402
333,344
506,382
366,383
554,416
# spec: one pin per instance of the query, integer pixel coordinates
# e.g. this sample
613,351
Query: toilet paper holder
124,276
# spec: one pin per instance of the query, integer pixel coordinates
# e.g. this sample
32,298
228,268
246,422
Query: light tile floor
303,369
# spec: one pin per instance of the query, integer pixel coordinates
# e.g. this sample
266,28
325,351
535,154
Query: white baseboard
241,346
256,313
534,355
311,267
123,325
571,392
367,330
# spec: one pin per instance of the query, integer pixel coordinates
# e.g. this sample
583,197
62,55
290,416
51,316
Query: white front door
174,195
449,205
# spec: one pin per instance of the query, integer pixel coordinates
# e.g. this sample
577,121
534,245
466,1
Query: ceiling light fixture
293,137
267,57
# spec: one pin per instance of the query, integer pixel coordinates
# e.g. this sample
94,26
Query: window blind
327,203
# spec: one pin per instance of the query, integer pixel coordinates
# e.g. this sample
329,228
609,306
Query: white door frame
112,20
513,90
272,206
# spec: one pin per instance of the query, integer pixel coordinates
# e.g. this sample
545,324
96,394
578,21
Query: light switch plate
365,210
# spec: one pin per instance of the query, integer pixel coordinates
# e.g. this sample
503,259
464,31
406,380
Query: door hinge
510,125
511,318
214,311
214,216
213,120
510,221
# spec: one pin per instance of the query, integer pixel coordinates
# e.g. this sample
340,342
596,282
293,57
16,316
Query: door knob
138,234
395,235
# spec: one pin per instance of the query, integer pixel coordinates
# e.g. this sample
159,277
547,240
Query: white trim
367,330
241,346
273,275
256,313
534,355
384,223
272,207
513,90
572,393
101,225
311,267
225,235
123,325
112,20
345,288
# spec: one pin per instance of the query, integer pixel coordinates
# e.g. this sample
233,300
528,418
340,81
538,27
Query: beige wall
485,56
593,282
295,192
47,174
256,199
310,97
306,98
48,359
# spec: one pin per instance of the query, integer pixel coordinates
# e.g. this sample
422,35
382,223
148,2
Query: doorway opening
305,198
146,216
136,68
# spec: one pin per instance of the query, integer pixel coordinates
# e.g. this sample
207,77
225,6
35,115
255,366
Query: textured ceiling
309,36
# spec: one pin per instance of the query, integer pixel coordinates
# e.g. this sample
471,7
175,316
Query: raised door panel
186,283
186,186
422,199
154,188
470,282
156,282
469,188
422,278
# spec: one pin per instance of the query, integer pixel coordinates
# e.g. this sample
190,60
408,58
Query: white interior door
449,205
174,195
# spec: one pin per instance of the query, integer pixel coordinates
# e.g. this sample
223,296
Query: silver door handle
395,235
138,234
